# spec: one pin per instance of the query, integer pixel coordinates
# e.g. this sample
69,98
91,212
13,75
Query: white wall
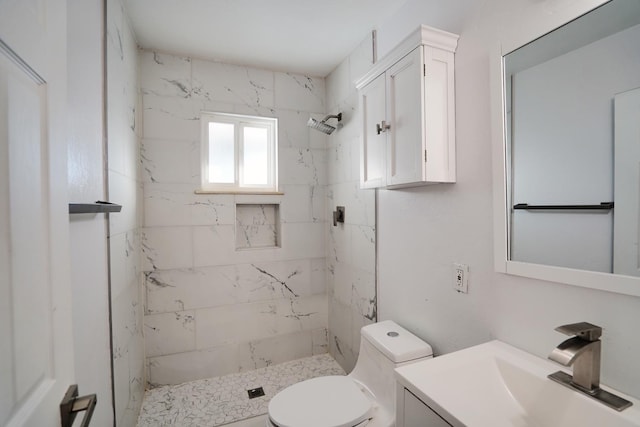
422,231
452,17
88,245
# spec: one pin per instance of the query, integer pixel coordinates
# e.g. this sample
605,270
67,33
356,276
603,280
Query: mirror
569,151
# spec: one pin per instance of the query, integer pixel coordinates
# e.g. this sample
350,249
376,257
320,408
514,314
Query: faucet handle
582,330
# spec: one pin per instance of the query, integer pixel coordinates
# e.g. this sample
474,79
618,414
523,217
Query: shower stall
188,302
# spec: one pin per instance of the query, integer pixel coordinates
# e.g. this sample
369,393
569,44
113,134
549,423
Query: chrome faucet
582,351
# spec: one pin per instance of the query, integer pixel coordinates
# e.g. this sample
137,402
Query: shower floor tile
223,400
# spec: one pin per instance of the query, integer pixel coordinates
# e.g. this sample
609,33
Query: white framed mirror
566,156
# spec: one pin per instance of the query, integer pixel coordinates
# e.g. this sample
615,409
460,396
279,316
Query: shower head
322,126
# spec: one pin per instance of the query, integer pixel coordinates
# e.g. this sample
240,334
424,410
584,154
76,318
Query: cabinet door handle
382,127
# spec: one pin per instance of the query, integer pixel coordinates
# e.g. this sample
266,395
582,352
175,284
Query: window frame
239,122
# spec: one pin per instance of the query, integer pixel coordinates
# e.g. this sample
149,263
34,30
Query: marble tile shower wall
125,188
212,309
351,247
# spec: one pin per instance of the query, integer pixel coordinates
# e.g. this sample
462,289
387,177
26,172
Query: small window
239,153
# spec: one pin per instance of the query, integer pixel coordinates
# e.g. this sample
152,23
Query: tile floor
224,400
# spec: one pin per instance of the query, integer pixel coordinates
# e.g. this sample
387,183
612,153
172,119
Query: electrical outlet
461,278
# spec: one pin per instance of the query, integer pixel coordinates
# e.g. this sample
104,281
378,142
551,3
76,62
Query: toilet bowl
365,397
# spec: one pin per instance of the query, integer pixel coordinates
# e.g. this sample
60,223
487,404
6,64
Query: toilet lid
333,401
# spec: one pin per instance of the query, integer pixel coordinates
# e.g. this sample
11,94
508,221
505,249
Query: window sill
240,192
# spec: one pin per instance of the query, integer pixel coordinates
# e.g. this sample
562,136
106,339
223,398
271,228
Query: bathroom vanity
408,113
495,384
413,412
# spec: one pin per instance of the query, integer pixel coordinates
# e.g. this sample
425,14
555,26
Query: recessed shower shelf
97,207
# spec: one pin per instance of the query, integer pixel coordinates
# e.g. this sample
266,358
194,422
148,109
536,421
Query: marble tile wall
351,247
125,188
212,309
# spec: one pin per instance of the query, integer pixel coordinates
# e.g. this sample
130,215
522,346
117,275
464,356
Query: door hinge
424,69
425,156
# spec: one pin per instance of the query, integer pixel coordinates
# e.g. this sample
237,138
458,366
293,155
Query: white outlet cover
461,278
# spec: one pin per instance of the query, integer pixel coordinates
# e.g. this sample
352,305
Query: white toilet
365,397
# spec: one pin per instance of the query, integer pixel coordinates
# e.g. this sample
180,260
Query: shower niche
408,113
257,226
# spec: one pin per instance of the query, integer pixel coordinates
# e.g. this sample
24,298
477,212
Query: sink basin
496,385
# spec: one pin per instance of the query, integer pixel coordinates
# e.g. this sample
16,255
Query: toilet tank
395,342
385,346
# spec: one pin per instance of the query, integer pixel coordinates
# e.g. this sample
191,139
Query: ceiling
302,36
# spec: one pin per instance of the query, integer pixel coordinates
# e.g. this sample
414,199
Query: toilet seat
332,401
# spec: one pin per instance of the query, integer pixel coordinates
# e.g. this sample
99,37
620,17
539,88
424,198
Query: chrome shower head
322,126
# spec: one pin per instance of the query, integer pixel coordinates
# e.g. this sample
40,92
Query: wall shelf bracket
97,207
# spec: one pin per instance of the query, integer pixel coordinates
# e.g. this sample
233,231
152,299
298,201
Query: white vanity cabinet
408,114
413,412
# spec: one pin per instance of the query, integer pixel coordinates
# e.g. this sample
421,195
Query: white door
374,137
626,256
405,89
36,359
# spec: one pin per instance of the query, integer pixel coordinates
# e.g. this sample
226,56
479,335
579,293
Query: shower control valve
382,127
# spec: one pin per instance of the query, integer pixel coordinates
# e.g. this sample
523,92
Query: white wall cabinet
373,167
408,114
412,412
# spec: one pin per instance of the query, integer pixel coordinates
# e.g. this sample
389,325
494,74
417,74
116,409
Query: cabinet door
439,113
417,414
405,89
373,144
